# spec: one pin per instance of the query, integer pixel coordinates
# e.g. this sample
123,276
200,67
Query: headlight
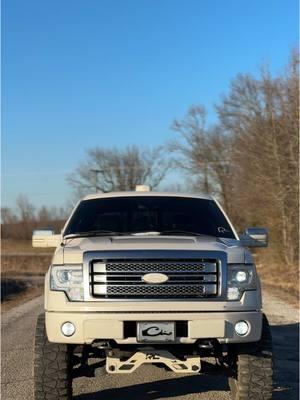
241,277
68,279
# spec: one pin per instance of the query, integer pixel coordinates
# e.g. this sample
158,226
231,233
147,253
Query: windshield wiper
101,232
180,232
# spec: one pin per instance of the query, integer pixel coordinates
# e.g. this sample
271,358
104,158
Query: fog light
68,329
241,328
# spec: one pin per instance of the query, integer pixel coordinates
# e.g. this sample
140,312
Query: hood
73,250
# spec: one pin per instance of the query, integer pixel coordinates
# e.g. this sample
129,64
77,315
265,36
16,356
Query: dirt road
147,383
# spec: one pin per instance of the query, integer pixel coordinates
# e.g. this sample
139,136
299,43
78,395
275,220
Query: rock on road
148,382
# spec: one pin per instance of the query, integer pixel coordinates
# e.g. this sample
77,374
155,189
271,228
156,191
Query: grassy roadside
21,246
18,257
281,281
22,269
284,295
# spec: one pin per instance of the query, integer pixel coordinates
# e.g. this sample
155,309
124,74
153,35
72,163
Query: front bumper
91,326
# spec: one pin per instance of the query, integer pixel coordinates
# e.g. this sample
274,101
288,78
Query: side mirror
45,238
255,237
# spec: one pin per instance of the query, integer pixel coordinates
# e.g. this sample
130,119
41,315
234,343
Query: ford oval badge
155,278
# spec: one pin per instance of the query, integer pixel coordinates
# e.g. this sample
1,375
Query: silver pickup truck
148,277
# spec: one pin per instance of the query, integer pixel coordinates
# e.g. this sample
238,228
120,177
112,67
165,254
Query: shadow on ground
11,287
286,356
286,359
165,388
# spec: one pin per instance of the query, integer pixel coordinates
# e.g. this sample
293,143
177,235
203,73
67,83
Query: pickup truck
148,277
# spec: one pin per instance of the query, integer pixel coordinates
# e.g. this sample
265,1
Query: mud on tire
252,368
52,367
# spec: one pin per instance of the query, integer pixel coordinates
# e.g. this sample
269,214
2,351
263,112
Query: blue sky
83,73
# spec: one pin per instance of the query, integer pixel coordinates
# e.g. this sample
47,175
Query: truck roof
147,194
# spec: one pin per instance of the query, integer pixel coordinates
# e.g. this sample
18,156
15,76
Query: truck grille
190,279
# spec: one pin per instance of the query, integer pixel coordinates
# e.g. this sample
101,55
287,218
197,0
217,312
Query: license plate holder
156,331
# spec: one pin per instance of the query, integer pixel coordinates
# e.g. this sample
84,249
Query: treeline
249,160
20,221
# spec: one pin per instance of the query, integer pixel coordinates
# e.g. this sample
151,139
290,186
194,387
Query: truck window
150,213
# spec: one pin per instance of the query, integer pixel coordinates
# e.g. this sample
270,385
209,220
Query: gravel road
147,383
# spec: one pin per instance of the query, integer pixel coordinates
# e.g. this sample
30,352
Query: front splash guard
191,364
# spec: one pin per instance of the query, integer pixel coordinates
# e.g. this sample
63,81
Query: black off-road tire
52,367
252,368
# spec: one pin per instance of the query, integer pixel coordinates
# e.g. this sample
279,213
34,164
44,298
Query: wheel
252,368
52,367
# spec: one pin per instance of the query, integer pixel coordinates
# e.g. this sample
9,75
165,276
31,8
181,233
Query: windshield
142,214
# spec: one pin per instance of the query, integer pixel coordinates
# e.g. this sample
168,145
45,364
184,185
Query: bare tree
117,170
21,224
8,216
251,157
43,215
204,153
25,208
261,116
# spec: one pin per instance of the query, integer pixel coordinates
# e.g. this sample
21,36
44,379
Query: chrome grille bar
156,290
161,266
136,278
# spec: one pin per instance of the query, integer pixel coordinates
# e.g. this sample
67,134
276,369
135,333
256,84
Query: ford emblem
155,278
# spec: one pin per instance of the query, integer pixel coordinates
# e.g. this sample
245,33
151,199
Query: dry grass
281,280
21,246
24,265
18,257
19,260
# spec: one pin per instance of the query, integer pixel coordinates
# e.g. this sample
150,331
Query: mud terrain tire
52,367
252,376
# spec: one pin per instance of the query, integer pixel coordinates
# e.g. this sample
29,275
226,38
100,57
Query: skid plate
190,365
